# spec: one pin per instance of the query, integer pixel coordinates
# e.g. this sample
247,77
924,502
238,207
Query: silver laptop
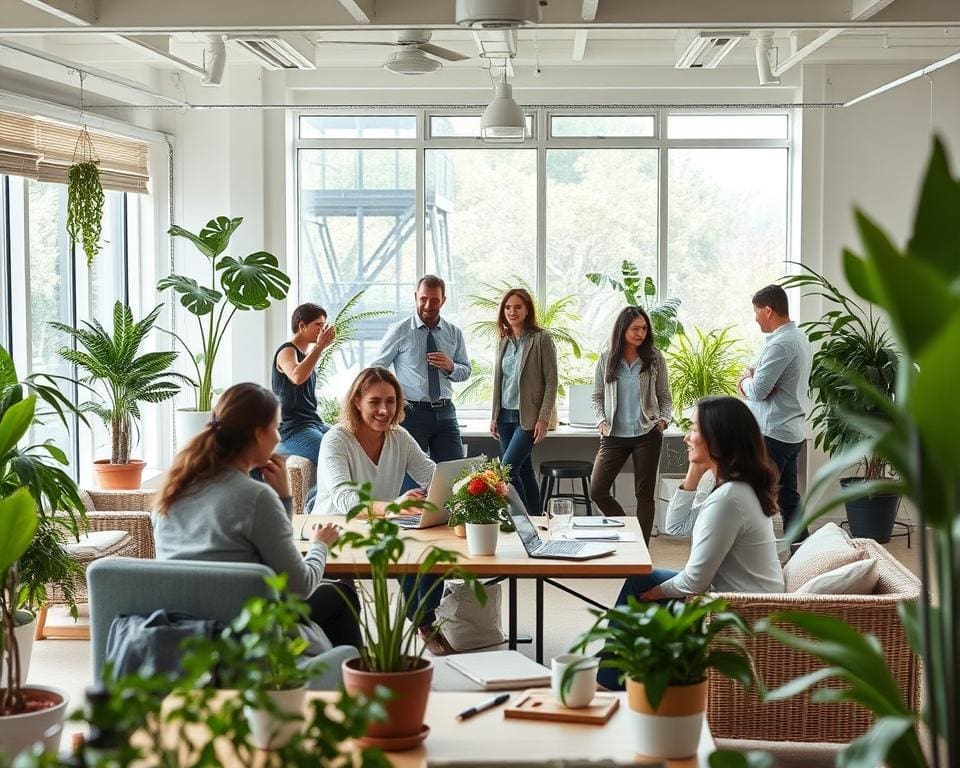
555,550
438,494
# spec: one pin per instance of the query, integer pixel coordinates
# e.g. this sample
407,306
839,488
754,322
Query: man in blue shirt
775,390
428,354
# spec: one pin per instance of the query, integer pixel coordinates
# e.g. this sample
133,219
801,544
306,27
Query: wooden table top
510,559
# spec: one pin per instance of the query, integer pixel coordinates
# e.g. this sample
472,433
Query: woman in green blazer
524,390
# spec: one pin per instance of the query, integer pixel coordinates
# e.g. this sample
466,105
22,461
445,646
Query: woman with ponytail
211,509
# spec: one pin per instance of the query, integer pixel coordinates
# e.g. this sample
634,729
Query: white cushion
824,550
856,578
94,543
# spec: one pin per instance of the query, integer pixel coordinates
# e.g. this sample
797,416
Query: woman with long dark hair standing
631,400
211,509
725,504
524,390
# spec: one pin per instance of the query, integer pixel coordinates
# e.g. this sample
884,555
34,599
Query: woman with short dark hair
294,381
524,390
211,509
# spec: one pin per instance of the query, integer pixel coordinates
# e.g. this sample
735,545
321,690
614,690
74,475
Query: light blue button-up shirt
777,391
510,365
628,418
405,348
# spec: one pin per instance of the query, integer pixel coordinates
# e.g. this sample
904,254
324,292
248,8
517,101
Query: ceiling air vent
497,14
707,49
277,51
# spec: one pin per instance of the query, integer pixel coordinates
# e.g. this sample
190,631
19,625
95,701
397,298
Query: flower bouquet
479,502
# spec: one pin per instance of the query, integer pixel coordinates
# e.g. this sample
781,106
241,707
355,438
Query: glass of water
559,516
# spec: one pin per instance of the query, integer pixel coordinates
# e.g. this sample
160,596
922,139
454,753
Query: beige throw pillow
826,549
857,578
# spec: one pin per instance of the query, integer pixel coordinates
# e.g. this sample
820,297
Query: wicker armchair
736,714
301,475
123,511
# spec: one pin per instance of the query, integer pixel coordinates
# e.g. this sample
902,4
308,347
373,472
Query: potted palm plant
707,365
247,283
391,657
127,379
664,652
479,502
60,512
853,345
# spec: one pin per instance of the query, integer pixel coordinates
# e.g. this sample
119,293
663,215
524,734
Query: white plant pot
267,731
673,730
189,424
482,539
24,634
19,732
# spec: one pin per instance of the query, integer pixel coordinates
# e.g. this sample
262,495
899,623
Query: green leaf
728,759
199,300
936,227
871,749
15,423
251,282
857,273
213,238
18,522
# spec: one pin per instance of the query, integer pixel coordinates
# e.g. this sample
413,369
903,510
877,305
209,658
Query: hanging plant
85,197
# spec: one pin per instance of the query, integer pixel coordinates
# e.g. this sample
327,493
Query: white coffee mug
582,682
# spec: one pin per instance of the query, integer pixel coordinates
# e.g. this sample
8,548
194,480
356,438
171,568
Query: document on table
499,670
595,535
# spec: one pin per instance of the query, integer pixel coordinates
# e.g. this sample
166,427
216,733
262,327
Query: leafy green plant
37,467
666,645
918,289
345,326
247,283
480,494
128,378
85,198
329,409
852,341
642,292
557,317
390,642
708,365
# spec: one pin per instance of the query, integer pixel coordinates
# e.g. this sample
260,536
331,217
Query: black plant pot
871,517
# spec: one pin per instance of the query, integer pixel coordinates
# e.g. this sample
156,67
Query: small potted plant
479,502
247,283
664,652
127,378
391,657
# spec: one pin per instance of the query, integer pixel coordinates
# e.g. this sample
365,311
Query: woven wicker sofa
736,714
122,511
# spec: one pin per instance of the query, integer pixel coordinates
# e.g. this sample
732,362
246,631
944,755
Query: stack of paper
500,670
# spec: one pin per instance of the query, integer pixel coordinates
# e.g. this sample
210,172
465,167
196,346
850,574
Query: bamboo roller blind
43,150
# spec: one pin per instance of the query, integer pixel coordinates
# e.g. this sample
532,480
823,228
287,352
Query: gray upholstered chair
207,590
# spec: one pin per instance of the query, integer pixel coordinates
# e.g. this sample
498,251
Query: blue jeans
516,449
784,455
636,586
306,444
437,432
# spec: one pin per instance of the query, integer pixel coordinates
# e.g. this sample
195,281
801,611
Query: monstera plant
247,283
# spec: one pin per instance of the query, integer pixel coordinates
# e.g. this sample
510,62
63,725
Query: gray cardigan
538,380
654,386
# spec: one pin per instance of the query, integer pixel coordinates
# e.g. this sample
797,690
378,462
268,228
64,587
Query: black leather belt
434,405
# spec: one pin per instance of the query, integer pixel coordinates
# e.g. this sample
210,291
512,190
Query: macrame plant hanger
84,192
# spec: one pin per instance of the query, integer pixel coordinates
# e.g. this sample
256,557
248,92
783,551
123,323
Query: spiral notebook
500,670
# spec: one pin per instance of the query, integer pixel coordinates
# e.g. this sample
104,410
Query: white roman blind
43,150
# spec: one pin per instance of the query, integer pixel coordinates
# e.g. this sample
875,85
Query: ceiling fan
414,54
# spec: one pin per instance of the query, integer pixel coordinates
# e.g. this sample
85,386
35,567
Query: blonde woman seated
211,509
729,519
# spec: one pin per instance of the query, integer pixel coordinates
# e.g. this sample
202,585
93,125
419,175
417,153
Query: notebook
500,670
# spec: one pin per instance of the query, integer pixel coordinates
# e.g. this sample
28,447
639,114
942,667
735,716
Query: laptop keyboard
559,548
406,521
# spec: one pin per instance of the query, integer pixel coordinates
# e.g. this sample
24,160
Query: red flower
476,486
502,490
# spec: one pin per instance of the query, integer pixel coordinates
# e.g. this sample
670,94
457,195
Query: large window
698,201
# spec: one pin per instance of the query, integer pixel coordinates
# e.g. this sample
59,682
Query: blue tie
433,374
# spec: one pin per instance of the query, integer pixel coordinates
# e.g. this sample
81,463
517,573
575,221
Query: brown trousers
613,454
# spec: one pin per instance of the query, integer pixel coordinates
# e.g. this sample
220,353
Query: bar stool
552,472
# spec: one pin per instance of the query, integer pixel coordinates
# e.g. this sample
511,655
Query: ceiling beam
579,44
74,11
360,10
589,10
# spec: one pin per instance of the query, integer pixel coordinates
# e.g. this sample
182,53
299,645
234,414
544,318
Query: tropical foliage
128,379
918,289
674,644
247,283
853,344
390,641
707,365
345,326
642,292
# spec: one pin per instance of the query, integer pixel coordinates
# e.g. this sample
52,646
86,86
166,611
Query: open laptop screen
525,527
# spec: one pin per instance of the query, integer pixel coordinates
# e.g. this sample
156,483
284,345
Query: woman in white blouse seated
729,518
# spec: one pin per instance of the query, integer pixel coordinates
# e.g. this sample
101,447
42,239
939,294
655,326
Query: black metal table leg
539,631
512,613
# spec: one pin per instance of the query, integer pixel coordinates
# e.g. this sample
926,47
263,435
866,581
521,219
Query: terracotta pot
482,538
118,477
460,530
673,729
405,711
269,731
19,732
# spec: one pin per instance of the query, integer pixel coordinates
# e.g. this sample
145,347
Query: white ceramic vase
673,730
19,732
188,424
267,731
482,538
24,633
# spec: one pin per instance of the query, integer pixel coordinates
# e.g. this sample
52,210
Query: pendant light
503,121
